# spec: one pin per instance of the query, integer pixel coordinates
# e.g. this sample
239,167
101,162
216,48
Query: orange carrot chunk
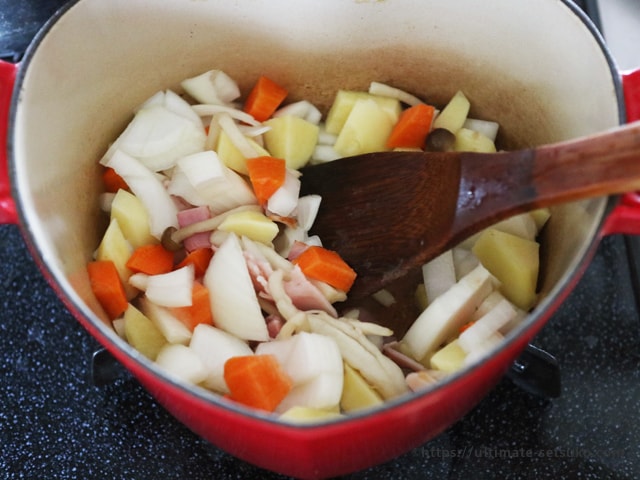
107,287
412,128
327,266
199,311
112,181
264,98
151,259
257,381
199,258
266,175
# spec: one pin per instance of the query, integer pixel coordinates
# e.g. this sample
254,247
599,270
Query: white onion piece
324,153
308,207
171,289
254,132
233,299
213,135
139,281
156,99
171,328
158,137
182,363
105,200
237,114
383,90
490,323
446,314
214,87
486,127
326,138
384,297
484,349
162,211
439,275
212,182
314,363
214,347
235,135
178,105
302,109
285,200
463,261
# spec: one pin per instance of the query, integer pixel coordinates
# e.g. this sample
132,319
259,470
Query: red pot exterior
325,450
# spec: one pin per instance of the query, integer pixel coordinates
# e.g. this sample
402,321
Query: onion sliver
145,185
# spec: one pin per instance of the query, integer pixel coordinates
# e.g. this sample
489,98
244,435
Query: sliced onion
214,87
234,303
323,154
486,127
439,275
171,289
235,135
182,363
149,189
285,200
308,207
235,113
383,90
178,105
302,109
171,328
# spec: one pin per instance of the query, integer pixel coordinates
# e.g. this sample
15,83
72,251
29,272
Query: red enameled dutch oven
538,67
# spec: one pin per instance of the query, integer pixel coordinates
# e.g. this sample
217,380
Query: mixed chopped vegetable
207,266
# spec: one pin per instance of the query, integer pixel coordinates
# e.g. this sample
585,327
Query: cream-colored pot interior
533,66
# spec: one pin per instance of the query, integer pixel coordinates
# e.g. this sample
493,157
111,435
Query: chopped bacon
194,215
392,351
305,295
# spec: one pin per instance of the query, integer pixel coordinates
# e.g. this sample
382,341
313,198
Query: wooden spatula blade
376,211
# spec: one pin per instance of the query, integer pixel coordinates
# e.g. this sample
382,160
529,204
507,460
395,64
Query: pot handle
8,213
625,217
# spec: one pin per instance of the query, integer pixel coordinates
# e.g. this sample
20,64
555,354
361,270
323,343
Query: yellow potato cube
514,261
232,157
291,138
251,224
132,218
142,334
366,130
116,248
346,99
308,415
472,141
454,114
356,392
449,358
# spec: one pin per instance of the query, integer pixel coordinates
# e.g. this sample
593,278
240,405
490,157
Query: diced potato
540,217
366,130
251,224
142,334
448,359
472,141
308,415
132,218
291,138
522,225
454,114
356,392
114,247
514,261
232,157
346,99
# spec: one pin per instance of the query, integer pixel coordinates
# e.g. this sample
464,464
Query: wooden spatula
388,213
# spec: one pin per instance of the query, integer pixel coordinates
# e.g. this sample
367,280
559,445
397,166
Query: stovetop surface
55,424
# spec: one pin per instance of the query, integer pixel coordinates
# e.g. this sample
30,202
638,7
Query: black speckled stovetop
55,424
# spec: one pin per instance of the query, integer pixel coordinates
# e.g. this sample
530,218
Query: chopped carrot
327,266
412,128
465,326
199,258
257,381
112,181
264,99
267,175
107,287
151,259
199,311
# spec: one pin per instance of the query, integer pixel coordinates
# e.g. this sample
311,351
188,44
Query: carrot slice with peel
264,99
327,266
257,381
107,287
267,174
412,128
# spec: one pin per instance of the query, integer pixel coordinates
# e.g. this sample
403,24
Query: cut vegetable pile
207,266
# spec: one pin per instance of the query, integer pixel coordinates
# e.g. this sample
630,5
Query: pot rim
123,351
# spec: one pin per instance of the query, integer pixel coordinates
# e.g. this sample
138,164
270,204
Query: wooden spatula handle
601,164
